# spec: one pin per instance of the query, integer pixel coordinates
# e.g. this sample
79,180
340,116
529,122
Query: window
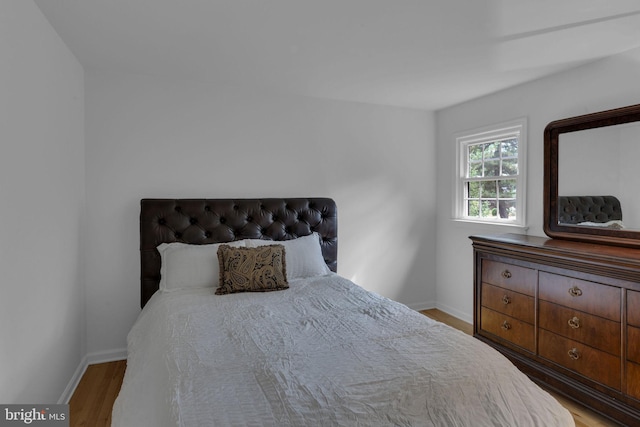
491,174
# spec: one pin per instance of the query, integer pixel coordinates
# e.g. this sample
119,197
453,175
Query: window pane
473,208
489,189
492,168
473,190
489,208
510,167
475,170
507,209
510,147
507,188
492,150
475,152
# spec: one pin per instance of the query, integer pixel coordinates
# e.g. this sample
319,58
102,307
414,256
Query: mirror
591,177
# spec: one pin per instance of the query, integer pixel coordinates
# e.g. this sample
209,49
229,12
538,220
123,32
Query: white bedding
323,352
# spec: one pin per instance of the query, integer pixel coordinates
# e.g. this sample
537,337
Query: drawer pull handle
575,291
506,325
506,274
506,300
573,353
574,323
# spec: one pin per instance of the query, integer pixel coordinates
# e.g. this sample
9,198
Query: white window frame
512,128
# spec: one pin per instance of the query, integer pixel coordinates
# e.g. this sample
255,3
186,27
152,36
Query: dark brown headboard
207,221
577,209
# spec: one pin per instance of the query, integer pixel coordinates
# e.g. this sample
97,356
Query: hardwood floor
93,399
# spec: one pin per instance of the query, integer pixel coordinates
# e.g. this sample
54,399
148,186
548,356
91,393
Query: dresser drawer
633,308
509,328
633,380
592,330
509,276
595,364
589,297
633,344
508,302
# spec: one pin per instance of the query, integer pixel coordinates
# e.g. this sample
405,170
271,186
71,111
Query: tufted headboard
577,209
207,221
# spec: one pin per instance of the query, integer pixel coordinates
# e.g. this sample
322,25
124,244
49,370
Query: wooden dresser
566,313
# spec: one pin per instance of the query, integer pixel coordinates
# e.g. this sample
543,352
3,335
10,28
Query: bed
312,350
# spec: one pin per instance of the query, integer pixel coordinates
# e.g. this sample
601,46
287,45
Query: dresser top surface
567,248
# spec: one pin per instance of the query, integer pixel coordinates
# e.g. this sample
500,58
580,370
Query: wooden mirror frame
552,134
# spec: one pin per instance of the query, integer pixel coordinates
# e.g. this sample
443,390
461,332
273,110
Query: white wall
580,159
147,137
601,85
42,209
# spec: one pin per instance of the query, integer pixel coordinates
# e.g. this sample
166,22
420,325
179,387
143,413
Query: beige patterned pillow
244,269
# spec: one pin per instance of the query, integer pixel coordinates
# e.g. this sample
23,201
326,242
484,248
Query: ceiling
426,54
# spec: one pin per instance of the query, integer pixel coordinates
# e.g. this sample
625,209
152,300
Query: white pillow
187,266
303,255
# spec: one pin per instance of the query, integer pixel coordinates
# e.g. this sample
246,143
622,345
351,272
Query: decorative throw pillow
259,269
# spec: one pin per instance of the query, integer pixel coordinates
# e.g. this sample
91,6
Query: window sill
490,225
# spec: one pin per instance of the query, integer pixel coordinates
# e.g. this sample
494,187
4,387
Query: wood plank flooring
93,399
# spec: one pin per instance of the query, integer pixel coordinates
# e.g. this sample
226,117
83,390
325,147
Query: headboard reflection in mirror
591,177
590,211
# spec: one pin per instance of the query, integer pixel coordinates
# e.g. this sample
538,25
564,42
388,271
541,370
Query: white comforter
324,352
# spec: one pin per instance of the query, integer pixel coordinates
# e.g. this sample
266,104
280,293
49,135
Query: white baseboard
75,380
455,313
422,305
452,311
89,359
106,356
